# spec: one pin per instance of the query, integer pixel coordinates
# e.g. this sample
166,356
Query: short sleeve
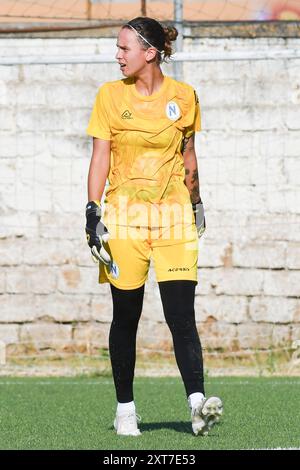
196,118
99,126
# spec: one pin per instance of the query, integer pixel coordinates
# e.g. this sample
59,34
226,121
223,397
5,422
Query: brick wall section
249,162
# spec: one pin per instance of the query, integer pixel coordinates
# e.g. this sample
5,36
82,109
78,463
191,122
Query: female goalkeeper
143,141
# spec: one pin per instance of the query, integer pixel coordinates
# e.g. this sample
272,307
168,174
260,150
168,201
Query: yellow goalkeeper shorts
174,255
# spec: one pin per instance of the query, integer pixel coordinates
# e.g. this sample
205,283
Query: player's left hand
198,210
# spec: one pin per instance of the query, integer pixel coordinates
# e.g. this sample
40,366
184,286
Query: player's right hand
96,233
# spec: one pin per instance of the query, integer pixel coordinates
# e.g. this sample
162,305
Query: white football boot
127,424
205,414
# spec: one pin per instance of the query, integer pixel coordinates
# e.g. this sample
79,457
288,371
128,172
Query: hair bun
171,33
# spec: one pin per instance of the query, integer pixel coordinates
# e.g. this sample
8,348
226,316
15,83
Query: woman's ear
150,54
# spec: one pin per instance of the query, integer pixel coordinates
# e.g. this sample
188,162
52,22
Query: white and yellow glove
96,233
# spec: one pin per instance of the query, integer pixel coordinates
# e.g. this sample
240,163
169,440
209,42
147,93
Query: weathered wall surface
249,161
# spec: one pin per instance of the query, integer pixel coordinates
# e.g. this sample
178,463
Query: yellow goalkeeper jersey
146,134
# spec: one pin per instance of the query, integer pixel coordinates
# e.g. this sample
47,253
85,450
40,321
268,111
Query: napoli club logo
172,110
114,270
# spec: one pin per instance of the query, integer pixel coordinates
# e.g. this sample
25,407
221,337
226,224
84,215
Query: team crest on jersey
114,270
173,111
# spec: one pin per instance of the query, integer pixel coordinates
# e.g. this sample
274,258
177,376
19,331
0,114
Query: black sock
127,309
178,304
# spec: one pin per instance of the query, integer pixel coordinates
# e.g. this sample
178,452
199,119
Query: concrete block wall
249,164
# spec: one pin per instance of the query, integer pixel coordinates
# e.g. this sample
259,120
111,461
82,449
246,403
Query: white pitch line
276,448
100,382
55,382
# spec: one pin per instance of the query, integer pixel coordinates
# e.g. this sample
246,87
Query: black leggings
178,305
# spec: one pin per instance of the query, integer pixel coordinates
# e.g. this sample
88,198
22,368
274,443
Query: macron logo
127,115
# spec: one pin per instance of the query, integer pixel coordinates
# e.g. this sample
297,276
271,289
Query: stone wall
249,163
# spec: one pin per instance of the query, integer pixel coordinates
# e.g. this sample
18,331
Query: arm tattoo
191,173
187,172
195,178
195,194
187,143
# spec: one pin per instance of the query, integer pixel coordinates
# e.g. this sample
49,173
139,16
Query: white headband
144,39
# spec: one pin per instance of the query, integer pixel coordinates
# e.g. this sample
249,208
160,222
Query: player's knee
181,321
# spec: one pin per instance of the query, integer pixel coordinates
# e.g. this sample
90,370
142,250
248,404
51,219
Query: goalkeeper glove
198,210
96,233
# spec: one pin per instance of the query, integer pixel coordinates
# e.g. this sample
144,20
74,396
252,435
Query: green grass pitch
77,413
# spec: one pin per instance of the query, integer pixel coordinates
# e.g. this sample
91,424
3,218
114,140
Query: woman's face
130,55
